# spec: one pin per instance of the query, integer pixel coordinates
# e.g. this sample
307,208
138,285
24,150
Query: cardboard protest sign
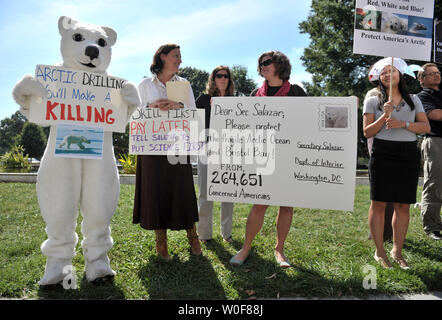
79,98
178,91
395,28
175,132
287,151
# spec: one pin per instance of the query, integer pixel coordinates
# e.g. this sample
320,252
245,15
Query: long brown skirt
164,194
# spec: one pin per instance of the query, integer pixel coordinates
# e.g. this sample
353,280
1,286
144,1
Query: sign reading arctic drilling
79,98
286,151
395,28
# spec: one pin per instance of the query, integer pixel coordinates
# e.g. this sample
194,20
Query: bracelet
407,124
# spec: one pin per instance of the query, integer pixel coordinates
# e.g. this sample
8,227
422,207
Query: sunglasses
432,74
220,76
266,63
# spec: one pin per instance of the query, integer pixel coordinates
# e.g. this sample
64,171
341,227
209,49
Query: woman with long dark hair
220,84
393,118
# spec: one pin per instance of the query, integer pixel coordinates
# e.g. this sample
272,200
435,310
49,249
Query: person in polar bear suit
63,184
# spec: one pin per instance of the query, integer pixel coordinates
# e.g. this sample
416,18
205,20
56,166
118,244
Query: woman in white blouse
164,192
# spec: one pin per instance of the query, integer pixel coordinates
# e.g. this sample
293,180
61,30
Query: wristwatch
407,124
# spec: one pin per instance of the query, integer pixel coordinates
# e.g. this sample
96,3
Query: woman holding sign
220,84
275,68
393,118
164,192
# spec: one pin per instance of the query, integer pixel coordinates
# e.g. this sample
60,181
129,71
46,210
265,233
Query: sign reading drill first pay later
286,151
79,98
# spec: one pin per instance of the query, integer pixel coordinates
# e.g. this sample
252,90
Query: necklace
399,106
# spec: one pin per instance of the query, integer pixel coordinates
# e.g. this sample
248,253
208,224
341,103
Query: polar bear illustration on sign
66,184
73,139
336,117
392,23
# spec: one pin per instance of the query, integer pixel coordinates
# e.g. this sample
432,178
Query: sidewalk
436,295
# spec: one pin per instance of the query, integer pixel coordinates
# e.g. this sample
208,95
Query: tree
197,78
335,70
33,140
243,85
10,128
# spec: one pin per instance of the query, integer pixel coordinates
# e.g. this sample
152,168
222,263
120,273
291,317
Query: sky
210,33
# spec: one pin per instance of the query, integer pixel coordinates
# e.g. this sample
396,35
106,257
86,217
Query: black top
295,91
203,102
431,100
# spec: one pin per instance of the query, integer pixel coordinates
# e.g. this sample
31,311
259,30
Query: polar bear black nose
92,52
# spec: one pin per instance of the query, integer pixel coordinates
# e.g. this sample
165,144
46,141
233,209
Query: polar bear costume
64,184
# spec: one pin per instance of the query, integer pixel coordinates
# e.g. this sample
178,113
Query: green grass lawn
328,249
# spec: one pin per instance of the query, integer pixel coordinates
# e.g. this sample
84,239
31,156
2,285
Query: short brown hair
425,66
281,62
212,89
157,64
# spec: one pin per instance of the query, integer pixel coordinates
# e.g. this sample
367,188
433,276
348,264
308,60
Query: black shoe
435,235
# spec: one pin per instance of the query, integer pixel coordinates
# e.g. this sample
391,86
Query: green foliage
10,128
33,140
335,70
129,163
121,142
243,84
197,78
15,160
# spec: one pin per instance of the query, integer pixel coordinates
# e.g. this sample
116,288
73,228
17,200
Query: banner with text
79,98
394,28
173,132
287,151
437,41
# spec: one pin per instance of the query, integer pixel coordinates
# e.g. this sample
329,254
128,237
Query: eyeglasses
265,63
432,74
221,75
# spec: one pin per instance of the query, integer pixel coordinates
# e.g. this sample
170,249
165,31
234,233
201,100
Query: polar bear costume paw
25,89
54,271
99,268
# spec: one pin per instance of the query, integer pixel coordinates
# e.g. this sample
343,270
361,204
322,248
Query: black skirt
164,194
394,171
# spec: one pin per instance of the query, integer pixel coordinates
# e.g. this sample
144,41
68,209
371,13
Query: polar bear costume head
85,46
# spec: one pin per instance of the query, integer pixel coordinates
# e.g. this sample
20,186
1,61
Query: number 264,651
243,179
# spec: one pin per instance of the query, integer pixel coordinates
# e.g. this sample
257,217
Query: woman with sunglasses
275,68
393,118
164,192
220,84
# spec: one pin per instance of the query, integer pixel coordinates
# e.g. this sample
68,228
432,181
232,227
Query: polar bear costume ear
111,34
65,24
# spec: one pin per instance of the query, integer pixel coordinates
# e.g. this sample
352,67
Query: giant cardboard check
79,98
394,28
287,151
